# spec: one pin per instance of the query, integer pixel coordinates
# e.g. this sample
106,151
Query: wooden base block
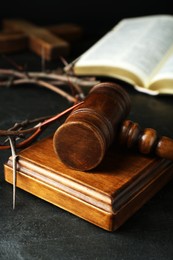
106,196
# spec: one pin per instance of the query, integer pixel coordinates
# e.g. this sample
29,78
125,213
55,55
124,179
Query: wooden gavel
82,141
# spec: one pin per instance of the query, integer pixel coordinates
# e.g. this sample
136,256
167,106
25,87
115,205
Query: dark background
39,230
93,15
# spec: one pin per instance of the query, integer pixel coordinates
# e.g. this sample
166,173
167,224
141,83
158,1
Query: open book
137,50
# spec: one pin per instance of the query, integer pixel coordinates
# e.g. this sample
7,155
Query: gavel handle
147,140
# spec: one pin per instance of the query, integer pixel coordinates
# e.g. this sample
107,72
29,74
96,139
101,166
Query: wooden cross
48,42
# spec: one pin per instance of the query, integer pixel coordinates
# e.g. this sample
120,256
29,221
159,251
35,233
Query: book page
163,80
135,44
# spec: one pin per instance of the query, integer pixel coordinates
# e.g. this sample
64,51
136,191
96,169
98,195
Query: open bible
137,50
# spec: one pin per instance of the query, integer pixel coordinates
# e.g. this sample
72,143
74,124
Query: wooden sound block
106,196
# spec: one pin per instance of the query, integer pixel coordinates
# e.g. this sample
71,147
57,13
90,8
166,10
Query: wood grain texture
82,141
146,140
12,42
40,40
67,31
106,196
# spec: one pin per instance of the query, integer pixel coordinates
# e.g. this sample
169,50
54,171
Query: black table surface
39,230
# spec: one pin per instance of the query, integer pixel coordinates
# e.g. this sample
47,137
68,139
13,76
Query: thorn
14,160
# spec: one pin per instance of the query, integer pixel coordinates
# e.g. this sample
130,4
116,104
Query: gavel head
81,142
